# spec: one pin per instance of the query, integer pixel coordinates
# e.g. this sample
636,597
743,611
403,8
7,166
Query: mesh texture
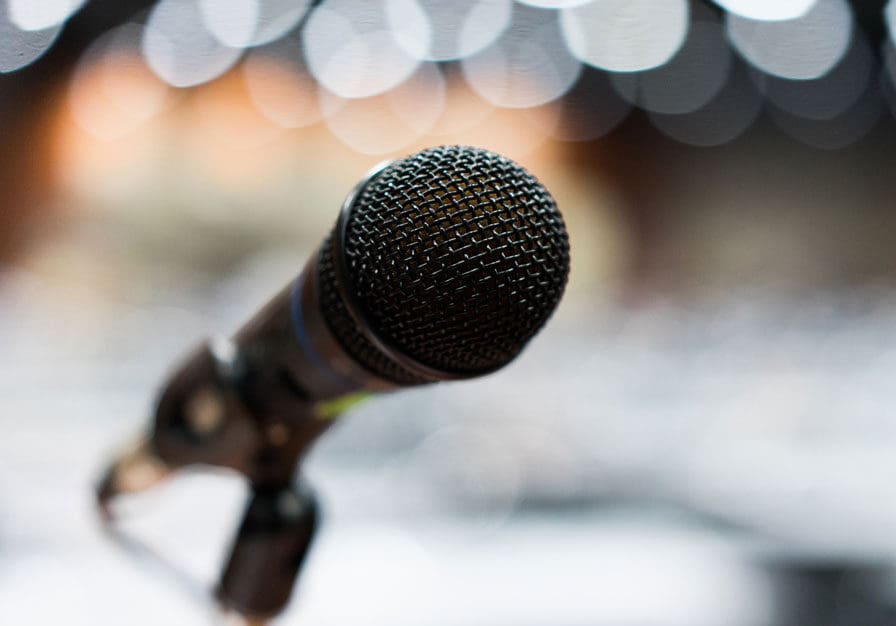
457,255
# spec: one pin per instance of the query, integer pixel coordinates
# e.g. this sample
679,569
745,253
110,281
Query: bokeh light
625,35
527,66
278,17
245,23
770,10
591,109
826,96
41,14
516,133
280,85
696,73
232,23
672,58
112,91
19,48
839,131
353,52
391,121
464,108
890,17
801,48
180,49
720,120
553,4
455,29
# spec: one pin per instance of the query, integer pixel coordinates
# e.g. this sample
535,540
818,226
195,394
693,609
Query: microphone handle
256,402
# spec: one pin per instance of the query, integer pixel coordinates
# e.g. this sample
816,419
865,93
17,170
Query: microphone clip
209,414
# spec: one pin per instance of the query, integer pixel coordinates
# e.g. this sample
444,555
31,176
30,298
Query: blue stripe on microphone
298,327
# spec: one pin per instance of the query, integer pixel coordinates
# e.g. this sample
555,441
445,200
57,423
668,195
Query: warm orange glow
113,95
226,136
513,132
124,135
223,115
284,94
369,125
463,109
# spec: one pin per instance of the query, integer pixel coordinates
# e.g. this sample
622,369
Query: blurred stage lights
513,132
18,47
808,58
390,121
351,49
591,109
453,30
41,14
463,110
890,17
625,35
280,86
112,91
179,47
767,10
829,95
527,66
725,117
802,48
554,4
696,73
839,131
245,23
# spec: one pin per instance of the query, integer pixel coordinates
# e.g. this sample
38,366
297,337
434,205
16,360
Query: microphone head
443,265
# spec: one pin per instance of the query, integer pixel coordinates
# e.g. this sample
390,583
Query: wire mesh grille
457,255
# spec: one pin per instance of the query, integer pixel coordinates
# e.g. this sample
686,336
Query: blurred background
704,433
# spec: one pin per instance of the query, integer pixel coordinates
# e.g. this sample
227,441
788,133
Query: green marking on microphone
328,409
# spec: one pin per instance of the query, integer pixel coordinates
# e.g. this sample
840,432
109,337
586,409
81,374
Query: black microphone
441,266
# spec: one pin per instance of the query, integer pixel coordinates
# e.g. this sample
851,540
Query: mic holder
218,414
238,408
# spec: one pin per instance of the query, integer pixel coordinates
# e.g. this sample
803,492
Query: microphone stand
218,410
267,554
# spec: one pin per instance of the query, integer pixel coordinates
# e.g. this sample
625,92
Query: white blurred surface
473,503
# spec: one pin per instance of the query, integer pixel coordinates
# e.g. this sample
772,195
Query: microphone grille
456,256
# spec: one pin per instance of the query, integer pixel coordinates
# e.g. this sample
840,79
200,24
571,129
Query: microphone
441,266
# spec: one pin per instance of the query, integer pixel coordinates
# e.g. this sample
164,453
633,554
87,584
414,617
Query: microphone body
441,266
255,402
